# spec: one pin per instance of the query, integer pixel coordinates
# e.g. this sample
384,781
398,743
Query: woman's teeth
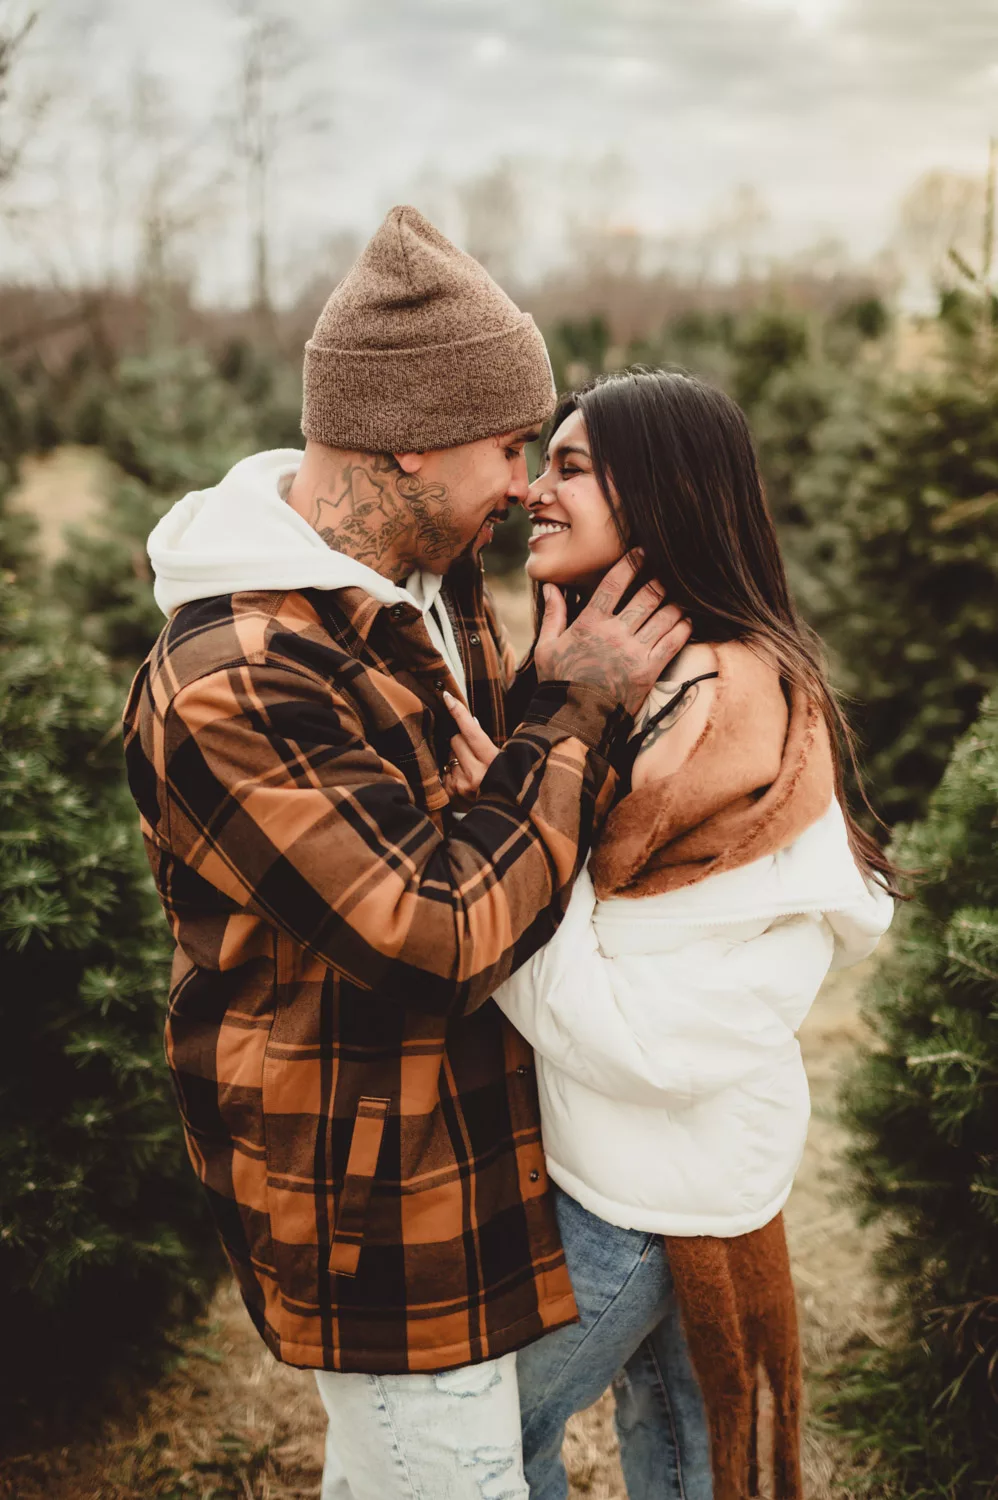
544,528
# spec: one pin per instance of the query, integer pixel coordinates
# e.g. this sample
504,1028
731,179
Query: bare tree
731,237
599,236
158,190
942,211
13,35
175,184
273,115
27,93
492,208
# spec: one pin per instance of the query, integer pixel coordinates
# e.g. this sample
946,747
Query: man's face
461,494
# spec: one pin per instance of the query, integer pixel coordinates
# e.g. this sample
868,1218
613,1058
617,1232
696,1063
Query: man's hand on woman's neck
367,507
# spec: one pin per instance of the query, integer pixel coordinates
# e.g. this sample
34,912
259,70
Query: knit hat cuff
431,396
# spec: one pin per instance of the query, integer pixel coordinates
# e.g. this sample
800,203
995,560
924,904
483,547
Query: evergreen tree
700,342
924,1104
764,344
104,581
578,349
898,566
103,1229
167,419
171,423
269,385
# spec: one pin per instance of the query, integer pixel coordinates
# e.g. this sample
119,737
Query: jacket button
523,1070
397,611
440,684
475,640
535,1175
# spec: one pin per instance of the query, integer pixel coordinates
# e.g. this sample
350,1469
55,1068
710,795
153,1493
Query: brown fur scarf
751,785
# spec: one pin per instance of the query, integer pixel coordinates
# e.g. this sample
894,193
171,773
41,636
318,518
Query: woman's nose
539,493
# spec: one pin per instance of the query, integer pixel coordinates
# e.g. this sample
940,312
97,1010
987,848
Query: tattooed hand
622,654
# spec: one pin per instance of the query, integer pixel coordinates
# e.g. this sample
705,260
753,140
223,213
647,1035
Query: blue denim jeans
629,1334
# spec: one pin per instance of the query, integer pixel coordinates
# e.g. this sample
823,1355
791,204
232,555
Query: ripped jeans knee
454,1435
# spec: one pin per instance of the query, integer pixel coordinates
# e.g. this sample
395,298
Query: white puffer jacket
673,1094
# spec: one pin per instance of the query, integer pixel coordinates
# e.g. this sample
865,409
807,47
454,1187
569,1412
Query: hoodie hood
241,535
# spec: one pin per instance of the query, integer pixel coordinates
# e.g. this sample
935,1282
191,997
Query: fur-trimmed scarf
753,783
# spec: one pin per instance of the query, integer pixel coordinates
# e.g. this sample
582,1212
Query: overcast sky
830,108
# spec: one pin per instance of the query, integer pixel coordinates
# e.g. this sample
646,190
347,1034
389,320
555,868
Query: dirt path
230,1422
64,488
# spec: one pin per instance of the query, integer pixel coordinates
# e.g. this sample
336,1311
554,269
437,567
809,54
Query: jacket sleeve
859,927
274,798
671,1026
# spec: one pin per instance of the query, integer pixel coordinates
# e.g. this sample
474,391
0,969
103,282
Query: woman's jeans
629,1334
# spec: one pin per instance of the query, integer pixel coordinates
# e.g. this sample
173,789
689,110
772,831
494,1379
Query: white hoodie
673,1095
241,535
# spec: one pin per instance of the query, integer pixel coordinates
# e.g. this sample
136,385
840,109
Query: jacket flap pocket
365,1146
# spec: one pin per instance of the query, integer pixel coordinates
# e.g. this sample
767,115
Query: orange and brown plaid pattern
364,1120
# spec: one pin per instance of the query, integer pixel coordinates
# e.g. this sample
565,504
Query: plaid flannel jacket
363,1119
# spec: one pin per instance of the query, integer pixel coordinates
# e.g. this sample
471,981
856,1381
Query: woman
726,882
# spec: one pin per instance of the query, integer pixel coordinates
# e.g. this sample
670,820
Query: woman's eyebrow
564,448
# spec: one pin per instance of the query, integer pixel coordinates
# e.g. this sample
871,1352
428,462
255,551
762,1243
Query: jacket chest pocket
362,1161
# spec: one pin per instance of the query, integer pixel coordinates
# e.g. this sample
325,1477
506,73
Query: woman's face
573,539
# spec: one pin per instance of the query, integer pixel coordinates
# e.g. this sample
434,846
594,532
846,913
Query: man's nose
535,493
520,485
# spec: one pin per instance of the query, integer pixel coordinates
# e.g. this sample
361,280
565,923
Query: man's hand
623,655
473,753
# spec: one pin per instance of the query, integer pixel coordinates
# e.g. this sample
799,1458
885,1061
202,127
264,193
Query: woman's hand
473,753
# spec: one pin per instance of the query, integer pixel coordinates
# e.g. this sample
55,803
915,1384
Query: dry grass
230,1422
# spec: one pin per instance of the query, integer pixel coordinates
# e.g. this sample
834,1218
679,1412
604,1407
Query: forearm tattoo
379,514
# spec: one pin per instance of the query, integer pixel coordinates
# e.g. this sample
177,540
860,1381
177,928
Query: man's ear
409,463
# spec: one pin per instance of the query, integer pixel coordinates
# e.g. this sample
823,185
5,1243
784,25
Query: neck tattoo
390,520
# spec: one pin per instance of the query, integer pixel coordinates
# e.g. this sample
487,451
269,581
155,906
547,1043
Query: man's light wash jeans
456,1436
453,1436
629,1334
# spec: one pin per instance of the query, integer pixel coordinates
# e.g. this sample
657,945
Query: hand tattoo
585,657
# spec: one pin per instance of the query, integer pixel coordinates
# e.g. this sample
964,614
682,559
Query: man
365,1123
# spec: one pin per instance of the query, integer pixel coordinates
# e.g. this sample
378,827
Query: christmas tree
924,1105
169,423
102,1229
899,559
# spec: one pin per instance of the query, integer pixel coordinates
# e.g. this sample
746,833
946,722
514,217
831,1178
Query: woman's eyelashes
562,470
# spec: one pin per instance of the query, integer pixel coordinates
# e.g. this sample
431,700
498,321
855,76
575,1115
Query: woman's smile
545,526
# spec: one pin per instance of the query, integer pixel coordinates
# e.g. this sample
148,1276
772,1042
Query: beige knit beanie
419,348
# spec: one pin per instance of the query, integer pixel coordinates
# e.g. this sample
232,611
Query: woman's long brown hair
675,460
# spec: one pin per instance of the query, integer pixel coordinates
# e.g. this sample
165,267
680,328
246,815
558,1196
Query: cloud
489,49
830,107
